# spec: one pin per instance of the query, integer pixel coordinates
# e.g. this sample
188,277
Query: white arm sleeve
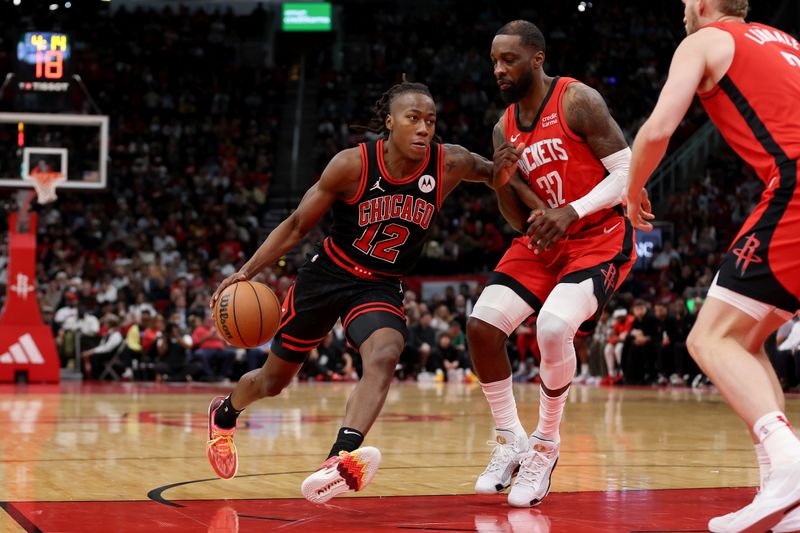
610,191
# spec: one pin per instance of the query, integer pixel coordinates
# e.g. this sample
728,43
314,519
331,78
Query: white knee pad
558,352
567,307
501,307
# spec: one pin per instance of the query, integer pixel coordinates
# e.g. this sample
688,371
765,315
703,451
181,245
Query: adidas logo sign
23,352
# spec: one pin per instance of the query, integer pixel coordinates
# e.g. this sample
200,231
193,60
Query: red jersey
755,105
557,164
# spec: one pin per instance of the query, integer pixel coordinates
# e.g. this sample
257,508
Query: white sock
550,411
500,396
584,369
778,437
763,463
611,363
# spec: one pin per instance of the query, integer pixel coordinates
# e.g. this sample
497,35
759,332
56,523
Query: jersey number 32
552,185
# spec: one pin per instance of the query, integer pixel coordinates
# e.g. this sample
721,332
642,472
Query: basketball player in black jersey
384,196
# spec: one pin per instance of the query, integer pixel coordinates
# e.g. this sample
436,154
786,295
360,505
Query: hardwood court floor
131,457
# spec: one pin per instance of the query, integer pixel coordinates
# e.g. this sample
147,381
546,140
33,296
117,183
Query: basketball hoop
45,185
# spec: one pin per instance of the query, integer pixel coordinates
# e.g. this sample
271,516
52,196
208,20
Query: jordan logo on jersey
426,183
377,185
747,253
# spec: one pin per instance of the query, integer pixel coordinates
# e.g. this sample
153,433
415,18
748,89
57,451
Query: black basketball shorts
324,292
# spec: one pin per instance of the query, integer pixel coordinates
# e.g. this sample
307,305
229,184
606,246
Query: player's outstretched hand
230,280
547,226
505,162
640,210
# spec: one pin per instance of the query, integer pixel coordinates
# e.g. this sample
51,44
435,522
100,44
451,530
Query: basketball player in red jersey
747,76
569,162
384,196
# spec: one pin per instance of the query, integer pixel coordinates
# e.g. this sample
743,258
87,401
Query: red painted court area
598,512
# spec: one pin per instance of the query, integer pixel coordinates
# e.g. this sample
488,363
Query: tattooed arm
587,115
461,164
514,198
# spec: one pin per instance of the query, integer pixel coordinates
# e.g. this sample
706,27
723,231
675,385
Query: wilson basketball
247,314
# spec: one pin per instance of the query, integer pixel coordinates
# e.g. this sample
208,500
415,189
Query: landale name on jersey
403,206
763,36
541,153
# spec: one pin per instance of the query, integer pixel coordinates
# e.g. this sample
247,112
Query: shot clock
43,62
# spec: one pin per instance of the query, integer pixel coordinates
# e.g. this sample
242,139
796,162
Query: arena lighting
53,7
68,5
17,2
583,6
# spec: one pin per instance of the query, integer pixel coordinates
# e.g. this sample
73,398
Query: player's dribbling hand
505,162
230,280
640,210
547,226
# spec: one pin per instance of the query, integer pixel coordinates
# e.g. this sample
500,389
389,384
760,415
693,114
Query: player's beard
518,90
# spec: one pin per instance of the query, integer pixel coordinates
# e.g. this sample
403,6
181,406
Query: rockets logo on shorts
747,253
609,277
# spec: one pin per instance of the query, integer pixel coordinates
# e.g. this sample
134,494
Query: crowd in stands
129,272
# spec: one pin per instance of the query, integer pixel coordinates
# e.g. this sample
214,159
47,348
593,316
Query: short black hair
528,32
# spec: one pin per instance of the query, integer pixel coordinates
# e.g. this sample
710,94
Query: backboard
71,149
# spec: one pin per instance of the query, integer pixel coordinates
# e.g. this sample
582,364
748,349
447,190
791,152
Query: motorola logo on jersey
541,153
403,206
426,183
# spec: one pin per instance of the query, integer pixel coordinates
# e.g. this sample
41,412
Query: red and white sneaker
346,472
220,447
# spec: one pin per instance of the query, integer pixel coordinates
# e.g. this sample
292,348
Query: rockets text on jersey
556,163
384,226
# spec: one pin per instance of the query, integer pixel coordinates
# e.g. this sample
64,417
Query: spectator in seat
112,340
622,324
210,349
172,354
641,348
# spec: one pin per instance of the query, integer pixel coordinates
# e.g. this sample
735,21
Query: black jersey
382,229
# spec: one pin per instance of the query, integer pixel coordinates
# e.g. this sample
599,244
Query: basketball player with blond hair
747,76
384,196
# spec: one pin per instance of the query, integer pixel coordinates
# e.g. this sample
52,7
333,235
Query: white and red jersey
557,164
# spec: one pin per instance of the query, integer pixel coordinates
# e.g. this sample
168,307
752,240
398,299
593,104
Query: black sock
226,415
347,440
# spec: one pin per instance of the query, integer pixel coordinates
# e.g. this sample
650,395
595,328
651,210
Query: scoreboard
44,62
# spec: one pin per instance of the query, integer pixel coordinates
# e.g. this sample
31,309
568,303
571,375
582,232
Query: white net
45,185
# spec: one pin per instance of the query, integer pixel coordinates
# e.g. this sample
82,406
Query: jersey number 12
385,249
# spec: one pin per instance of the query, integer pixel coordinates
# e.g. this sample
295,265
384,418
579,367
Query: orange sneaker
346,472
220,447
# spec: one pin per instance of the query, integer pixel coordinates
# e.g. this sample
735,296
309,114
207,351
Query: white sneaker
508,452
789,524
535,472
780,495
582,379
346,472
